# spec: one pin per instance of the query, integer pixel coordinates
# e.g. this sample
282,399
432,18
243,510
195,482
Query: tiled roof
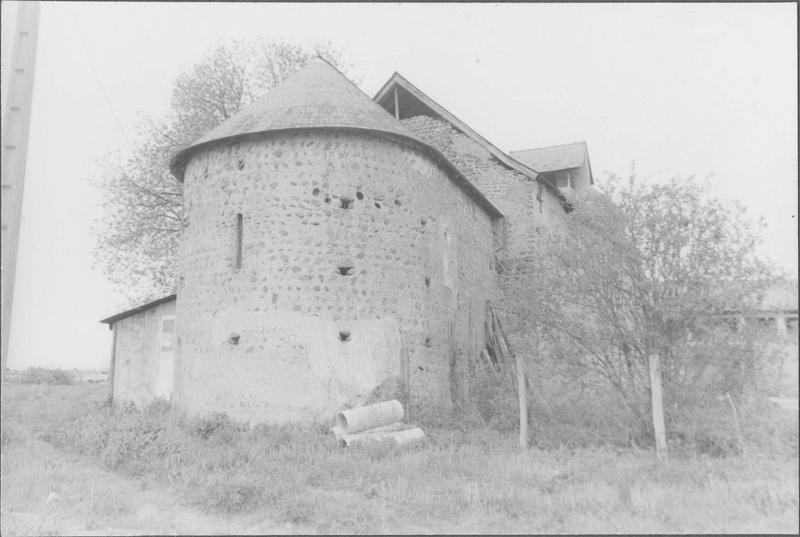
557,157
317,96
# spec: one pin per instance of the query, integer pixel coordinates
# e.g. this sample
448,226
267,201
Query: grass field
73,464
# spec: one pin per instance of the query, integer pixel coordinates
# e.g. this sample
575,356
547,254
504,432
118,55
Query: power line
99,82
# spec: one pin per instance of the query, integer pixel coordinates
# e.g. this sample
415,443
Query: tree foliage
641,269
138,237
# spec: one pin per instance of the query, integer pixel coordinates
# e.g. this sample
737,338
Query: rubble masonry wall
342,232
527,208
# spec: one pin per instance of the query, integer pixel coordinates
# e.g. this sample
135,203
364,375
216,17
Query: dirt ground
58,494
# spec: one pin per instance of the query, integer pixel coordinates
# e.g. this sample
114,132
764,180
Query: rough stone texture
513,193
517,197
341,232
137,354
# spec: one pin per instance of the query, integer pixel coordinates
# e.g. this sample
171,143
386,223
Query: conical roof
317,96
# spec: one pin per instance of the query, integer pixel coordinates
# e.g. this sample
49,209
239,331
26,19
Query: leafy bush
239,493
217,426
9,434
381,450
584,414
276,436
129,439
41,375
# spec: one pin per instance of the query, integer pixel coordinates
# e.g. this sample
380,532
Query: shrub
380,450
234,494
275,435
129,438
217,425
9,434
40,375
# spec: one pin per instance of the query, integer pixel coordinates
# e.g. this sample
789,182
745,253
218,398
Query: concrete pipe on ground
367,417
399,437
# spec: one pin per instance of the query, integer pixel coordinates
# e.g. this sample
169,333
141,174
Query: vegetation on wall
137,239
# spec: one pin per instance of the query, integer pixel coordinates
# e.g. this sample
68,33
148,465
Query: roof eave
138,309
180,160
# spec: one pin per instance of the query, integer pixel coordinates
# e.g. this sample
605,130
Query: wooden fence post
658,407
523,402
404,379
737,428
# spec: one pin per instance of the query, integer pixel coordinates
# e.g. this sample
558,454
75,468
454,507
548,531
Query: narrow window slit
238,260
344,335
345,202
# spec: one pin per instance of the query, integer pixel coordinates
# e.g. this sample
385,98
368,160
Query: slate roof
317,96
556,157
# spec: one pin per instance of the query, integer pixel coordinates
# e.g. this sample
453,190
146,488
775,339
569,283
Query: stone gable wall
515,195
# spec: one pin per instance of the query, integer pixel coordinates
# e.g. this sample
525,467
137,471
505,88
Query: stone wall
137,354
513,193
527,207
352,246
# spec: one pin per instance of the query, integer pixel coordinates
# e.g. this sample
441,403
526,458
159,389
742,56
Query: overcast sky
686,89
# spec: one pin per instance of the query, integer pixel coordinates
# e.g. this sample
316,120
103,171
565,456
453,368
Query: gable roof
385,97
138,309
318,96
555,157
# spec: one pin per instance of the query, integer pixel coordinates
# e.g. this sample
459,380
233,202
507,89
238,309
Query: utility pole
14,152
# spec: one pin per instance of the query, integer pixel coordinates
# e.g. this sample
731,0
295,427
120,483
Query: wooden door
166,362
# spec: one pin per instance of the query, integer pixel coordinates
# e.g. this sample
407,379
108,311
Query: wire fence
719,409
